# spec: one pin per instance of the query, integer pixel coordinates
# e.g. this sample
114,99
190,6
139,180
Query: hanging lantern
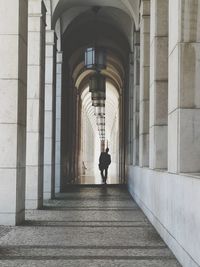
97,83
95,58
101,128
98,103
101,132
97,86
98,100
99,111
100,120
97,97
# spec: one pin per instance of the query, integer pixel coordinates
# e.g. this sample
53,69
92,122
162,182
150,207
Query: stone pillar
35,104
158,84
184,82
130,99
13,90
50,105
136,98
58,122
144,83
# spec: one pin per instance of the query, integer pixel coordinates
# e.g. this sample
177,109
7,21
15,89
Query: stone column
184,82
158,84
144,83
13,90
50,105
35,104
130,99
58,121
136,98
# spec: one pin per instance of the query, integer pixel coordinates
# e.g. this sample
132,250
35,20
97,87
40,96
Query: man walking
104,162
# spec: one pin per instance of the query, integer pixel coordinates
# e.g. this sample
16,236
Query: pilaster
136,98
50,114
35,104
158,84
144,83
184,93
58,122
13,93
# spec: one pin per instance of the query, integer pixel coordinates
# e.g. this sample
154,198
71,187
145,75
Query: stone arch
76,37
129,7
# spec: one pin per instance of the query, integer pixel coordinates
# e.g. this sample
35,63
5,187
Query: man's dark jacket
104,160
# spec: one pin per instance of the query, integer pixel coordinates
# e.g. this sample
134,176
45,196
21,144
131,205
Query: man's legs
102,175
106,174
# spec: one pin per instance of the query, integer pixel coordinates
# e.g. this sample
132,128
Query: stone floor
88,227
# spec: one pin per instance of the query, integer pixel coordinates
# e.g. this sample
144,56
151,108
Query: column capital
145,8
51,37
136,38
36,7
131,58
59,57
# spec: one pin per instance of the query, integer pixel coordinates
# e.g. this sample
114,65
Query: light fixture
100,120
101,129
97,83
95,59
97,87
99,111
95,56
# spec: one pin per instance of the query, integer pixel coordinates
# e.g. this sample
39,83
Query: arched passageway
90,142
48,111
77,152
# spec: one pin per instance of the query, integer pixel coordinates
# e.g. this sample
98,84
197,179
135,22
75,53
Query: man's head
107,149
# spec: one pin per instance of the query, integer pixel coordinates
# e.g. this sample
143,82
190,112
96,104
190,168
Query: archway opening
90,147
80,146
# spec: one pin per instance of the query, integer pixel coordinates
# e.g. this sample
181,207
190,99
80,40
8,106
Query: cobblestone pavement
88,227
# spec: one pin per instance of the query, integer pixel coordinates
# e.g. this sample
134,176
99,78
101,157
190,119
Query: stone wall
171,203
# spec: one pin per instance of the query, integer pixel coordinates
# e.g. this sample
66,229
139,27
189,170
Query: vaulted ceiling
130,7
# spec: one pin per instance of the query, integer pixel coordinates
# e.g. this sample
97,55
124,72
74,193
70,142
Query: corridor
87,226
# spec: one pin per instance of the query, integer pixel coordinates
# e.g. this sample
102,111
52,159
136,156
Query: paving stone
86,226
91,263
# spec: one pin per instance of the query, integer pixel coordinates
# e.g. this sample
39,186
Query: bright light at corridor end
102,117
91,144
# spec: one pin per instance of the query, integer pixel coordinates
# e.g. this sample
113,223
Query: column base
47,196
12,219
34,204
144,150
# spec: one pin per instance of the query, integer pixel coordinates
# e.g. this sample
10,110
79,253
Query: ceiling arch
114,75
83,31
130,7
111,107
112,16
